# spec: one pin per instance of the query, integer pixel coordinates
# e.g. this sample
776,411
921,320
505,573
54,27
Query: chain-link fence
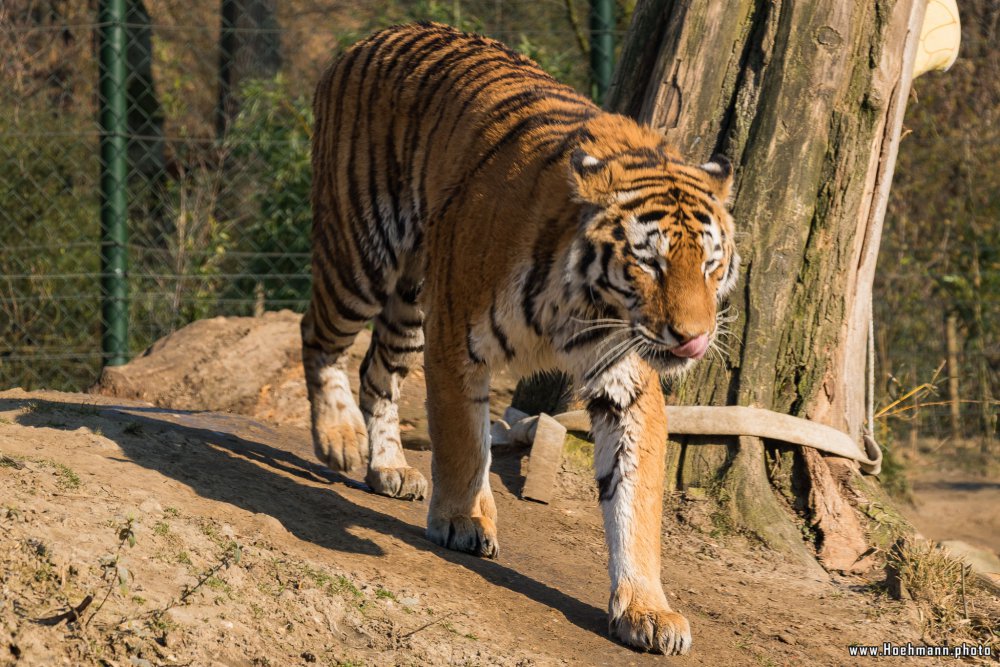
215,131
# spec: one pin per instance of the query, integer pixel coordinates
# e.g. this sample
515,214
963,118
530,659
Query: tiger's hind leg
397,344
340,438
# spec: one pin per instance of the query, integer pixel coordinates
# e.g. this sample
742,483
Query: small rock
228,531
139,662
409,602
785,637
150,506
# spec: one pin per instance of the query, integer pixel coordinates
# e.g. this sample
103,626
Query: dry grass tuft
952,606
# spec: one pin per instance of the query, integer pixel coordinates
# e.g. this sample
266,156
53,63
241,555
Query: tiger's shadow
240,469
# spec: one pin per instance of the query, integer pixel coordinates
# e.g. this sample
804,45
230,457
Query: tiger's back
412,118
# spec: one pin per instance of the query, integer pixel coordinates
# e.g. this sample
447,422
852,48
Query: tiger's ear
590,178
720,169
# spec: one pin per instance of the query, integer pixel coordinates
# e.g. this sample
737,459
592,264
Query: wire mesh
217,126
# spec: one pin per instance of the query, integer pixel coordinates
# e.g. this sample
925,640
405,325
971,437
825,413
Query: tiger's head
656,247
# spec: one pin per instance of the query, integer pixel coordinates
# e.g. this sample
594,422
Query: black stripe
354,216
475,358
604,406
429,97
346,67
607,250
532,95
408,292
521,128
499,334
480,399
607,490
328,322
605,283
586,259
403,349
407,56
551,119
387,363
378,220
581,339
414,119
393,327
543,257
341,268
651,216
571,140
638,202
344,311
646,182
368,385
514,73
366,362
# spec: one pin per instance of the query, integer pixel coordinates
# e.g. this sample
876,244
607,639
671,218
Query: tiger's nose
673,333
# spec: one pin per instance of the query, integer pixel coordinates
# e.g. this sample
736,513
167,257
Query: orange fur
461,194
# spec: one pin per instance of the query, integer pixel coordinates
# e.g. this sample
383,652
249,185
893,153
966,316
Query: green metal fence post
602,47
114,183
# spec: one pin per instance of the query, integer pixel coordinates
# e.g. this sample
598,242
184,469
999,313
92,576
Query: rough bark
807,100
249,48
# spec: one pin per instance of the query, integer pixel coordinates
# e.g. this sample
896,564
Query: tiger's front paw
341,446
405,483
650,629
475,535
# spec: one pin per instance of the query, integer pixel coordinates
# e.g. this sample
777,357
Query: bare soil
955,502
329,573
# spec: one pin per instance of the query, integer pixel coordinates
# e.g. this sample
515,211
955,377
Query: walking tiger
483,215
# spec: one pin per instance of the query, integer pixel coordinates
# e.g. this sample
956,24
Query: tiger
482,215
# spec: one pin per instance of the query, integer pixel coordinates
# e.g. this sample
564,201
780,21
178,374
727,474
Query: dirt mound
253,366
225,364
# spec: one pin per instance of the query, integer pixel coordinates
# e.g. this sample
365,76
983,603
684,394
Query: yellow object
940,36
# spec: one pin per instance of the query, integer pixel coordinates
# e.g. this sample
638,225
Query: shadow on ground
229,460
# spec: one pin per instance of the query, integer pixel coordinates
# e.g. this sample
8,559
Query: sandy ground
332,573
248,552
957,505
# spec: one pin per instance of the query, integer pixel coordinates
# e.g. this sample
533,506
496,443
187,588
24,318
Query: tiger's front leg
462,514
630,431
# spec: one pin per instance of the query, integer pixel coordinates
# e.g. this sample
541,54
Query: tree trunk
951,352
249,48
807,99
147,160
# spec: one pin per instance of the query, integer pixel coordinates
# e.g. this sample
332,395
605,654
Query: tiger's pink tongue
693,349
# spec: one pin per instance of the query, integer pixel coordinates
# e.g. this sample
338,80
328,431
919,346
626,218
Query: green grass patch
578,452
337,584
